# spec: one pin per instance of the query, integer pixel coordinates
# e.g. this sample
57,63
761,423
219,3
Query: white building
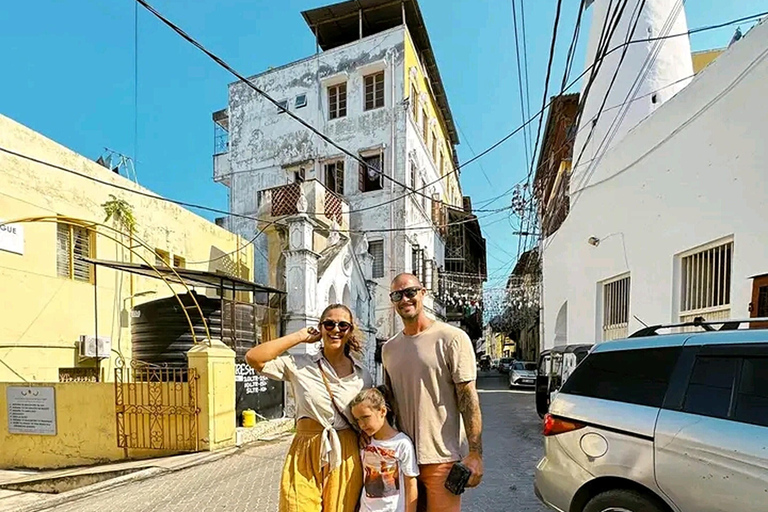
375,90
668,224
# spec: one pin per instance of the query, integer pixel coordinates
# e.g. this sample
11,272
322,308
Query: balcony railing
321,203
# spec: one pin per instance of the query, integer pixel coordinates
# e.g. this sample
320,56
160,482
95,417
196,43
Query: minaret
649,74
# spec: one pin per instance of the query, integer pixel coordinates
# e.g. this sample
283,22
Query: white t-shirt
385,463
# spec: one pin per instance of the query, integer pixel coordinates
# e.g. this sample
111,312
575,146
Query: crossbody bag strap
333,399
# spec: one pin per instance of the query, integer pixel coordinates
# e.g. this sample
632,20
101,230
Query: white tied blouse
312,398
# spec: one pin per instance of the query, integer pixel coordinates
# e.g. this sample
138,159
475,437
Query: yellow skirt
307,487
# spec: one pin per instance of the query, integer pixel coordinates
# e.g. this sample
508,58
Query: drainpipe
393,235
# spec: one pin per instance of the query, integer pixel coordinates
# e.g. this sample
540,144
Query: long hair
354,343
376,399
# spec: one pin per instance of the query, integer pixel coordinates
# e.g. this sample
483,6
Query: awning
187,276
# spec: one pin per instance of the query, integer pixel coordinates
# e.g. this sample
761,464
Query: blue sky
68,72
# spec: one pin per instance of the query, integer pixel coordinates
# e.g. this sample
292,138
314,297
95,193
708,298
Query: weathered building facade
374,89
664,222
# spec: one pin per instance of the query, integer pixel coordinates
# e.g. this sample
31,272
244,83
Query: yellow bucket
249,418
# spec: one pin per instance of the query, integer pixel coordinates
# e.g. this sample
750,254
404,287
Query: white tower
648,74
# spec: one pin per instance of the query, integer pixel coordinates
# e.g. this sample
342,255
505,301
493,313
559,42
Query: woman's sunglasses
409,293
330,325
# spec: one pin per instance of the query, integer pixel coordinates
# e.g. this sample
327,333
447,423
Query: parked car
522,373
661,423
555,365
504,364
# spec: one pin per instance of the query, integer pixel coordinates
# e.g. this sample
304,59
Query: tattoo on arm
469,407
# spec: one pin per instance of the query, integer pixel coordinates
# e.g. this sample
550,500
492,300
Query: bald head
405,280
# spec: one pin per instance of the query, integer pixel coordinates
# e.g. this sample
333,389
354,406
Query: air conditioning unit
91,346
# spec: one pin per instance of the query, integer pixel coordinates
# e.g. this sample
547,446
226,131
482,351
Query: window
334,176
709,390
371,175
436,209
633,376
424,197
162,258
615,309
413,175
73,244
424,125
434,147
374,91
442,164
301,101
376,249
415,103
417,262
752,397
706,283
179,262
283,104
337,101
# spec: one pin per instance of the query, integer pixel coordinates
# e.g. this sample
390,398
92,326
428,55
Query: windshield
524,366
505,360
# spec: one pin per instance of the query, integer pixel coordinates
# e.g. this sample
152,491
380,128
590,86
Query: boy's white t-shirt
385,463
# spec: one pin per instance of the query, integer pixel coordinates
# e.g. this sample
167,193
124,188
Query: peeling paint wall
266,147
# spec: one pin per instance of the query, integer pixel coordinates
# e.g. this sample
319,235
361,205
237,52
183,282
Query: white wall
692,173
668,64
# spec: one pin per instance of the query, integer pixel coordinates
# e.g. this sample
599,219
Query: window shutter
436,209
63,250
361,178
82,249
340,178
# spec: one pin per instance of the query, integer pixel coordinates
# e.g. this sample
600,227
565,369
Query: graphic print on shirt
381,472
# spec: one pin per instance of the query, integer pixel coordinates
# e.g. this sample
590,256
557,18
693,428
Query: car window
752,398
518,366
531,367
633,376
711,386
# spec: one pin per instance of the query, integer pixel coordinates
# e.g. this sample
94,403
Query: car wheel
623,500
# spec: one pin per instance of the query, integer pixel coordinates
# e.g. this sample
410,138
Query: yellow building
704,58
50,295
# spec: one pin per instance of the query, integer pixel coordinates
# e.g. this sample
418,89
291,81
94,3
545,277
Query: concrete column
215,366
300,276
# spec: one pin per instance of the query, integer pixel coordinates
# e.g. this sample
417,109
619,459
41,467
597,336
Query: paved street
248,481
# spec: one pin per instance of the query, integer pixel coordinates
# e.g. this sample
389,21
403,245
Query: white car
522,373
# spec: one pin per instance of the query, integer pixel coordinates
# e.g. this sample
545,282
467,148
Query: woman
322,470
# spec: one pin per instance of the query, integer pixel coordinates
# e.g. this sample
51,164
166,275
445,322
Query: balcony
221,167
322,205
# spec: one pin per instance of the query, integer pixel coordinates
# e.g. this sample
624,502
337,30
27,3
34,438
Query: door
758,308
542,384
718,439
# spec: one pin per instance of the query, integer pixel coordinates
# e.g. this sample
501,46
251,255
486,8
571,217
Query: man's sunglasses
409,293
330,325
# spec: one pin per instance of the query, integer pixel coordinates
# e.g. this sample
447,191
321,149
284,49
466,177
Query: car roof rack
729,324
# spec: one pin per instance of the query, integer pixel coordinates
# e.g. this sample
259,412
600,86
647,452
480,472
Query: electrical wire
281,108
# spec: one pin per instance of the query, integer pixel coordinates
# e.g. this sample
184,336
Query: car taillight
554,425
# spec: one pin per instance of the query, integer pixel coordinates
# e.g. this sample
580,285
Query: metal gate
157,407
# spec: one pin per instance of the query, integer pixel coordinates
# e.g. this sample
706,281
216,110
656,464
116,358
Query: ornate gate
157,407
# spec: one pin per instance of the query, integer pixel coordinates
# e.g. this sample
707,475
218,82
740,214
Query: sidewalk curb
142,474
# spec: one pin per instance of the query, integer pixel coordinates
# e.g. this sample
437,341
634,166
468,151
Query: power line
609,52
281,108
523,113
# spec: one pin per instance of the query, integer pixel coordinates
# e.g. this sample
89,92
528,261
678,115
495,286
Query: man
430,369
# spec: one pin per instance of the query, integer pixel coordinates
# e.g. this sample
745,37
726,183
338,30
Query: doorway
758,308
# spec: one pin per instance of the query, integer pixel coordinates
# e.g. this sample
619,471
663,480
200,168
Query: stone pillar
215,366
300,276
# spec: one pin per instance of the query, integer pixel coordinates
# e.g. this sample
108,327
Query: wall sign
31,410
12,238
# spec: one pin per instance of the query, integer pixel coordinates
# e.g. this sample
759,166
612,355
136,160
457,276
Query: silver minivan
661,423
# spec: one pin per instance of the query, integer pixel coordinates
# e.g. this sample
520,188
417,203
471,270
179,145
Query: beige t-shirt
312,398
423,370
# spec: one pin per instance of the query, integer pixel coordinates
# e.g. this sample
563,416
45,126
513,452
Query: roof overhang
338,24
187,276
